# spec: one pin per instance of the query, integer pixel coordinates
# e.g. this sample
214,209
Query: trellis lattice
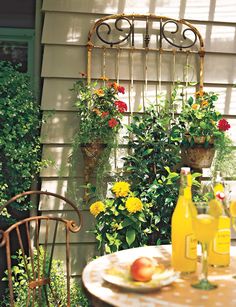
151,44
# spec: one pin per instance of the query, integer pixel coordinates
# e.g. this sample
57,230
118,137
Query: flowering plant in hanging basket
202,128
99,109
100,112
200,121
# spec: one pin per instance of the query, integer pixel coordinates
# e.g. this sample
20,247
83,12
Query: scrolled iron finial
183,35
117,27
73,226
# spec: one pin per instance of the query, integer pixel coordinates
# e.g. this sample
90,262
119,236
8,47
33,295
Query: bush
19,138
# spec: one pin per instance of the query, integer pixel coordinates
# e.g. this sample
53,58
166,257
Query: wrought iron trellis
124,24
120,34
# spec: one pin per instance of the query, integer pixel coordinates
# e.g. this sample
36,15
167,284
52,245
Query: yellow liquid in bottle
184,244
219,251
205,227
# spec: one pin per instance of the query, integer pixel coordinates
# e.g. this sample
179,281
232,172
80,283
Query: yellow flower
121,188
97,208
195,106
199,94
98,112
99,92
133,204
204,103
104,78
115,86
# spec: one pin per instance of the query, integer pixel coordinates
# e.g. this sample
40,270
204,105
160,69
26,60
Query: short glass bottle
219,249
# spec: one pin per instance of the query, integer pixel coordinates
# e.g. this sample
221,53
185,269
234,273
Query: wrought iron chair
37,253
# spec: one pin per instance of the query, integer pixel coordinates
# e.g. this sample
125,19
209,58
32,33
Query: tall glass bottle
219,250
184,243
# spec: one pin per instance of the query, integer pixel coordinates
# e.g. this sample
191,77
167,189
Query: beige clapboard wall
64,37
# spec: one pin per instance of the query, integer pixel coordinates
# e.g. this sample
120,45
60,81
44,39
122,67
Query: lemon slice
215,208
232,208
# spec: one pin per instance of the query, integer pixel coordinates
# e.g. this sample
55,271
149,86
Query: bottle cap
185,170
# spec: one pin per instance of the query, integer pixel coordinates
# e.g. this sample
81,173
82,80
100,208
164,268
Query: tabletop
179,293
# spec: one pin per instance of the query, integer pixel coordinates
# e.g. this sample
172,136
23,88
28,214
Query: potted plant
100,112
203,129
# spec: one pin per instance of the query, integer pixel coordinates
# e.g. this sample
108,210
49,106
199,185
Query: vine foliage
151,166
19,138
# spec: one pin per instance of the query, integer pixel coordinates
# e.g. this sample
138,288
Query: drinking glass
232,210
205,225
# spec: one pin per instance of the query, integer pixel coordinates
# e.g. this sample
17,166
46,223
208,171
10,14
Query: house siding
64,37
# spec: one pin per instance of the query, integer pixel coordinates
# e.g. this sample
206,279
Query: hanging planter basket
91,154
198,156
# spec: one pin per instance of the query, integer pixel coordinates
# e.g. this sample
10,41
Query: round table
179,293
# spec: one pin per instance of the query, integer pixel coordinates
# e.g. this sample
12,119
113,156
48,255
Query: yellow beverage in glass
232,209
234,223
204,226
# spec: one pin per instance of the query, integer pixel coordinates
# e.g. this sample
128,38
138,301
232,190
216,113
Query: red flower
104,114
113,122
122,106
223,125
121,89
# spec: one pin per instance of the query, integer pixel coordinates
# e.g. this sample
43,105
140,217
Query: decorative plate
120,276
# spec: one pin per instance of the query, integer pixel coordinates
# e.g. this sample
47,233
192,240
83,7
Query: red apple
142,269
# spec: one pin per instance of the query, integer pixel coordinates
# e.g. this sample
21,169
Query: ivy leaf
130,236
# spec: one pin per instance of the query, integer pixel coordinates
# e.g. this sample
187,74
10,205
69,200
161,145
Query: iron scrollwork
118,28
183,35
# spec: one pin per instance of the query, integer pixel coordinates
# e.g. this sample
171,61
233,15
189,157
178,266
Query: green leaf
126,222
148,151
190,100
130,236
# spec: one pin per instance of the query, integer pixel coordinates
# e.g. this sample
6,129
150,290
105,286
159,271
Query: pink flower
121,89
113,122
223,125
122,106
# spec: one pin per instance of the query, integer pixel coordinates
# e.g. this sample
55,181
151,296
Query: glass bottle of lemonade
219,250
184,243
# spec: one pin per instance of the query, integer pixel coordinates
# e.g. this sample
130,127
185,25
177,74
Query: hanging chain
174,80
104,65
174,66
146,77
186,76
160,72
118,65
